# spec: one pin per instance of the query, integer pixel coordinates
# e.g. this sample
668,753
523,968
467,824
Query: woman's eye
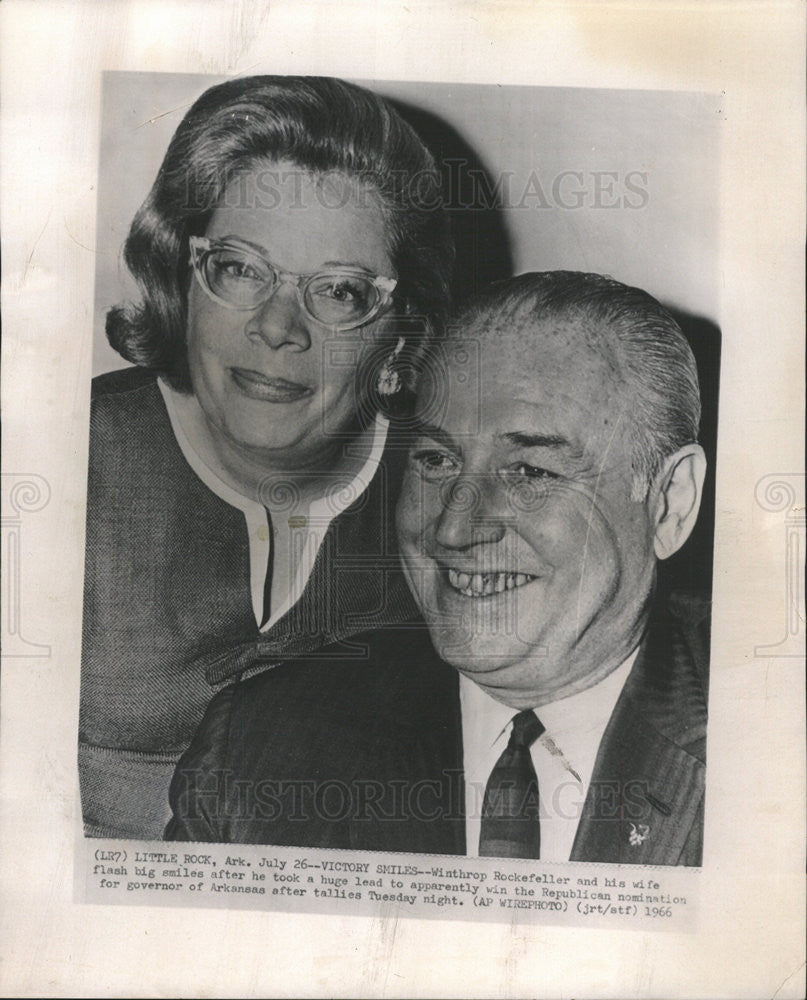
237,268
339,290
435,464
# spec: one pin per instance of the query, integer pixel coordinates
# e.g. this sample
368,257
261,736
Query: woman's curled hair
320,125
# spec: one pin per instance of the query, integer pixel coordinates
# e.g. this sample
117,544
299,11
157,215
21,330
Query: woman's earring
389,381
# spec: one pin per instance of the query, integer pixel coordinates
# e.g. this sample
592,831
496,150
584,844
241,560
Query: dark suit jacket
364,751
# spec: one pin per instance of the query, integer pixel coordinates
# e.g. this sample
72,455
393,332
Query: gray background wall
571,156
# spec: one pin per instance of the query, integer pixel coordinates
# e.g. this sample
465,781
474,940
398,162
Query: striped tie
510,812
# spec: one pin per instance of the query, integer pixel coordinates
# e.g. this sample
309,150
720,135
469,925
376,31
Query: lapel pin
638,835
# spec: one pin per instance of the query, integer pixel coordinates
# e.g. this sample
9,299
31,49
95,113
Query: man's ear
677,488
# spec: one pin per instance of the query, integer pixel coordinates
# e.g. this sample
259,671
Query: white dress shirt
307,529
563,757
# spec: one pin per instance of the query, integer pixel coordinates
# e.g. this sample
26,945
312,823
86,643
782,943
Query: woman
291,256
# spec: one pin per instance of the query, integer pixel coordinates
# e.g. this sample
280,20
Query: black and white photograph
425,516
378,520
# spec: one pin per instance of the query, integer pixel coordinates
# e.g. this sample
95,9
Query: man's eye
435,464
523,471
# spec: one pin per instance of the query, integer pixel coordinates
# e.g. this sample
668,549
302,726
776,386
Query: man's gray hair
648,346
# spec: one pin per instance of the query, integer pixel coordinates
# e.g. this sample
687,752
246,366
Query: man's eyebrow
523,439
437,434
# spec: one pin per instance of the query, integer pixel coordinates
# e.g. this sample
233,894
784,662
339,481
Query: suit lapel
646,793
644,798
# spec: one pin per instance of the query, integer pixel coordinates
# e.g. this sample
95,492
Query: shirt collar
567,721
587,711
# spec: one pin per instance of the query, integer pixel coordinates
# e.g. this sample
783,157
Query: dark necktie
510,812
270,572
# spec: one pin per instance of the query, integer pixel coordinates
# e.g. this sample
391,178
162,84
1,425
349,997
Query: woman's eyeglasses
238,278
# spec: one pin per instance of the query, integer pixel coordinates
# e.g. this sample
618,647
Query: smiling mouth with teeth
486,584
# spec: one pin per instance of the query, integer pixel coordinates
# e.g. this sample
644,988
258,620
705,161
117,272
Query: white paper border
751,943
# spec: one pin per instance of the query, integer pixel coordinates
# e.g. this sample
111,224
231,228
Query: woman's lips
270,389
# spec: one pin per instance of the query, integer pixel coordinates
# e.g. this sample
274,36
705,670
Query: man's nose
469,514
280,321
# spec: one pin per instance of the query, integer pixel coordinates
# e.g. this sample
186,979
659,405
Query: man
554,464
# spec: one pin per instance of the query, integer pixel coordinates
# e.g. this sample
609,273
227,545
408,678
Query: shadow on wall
691,568
483,246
